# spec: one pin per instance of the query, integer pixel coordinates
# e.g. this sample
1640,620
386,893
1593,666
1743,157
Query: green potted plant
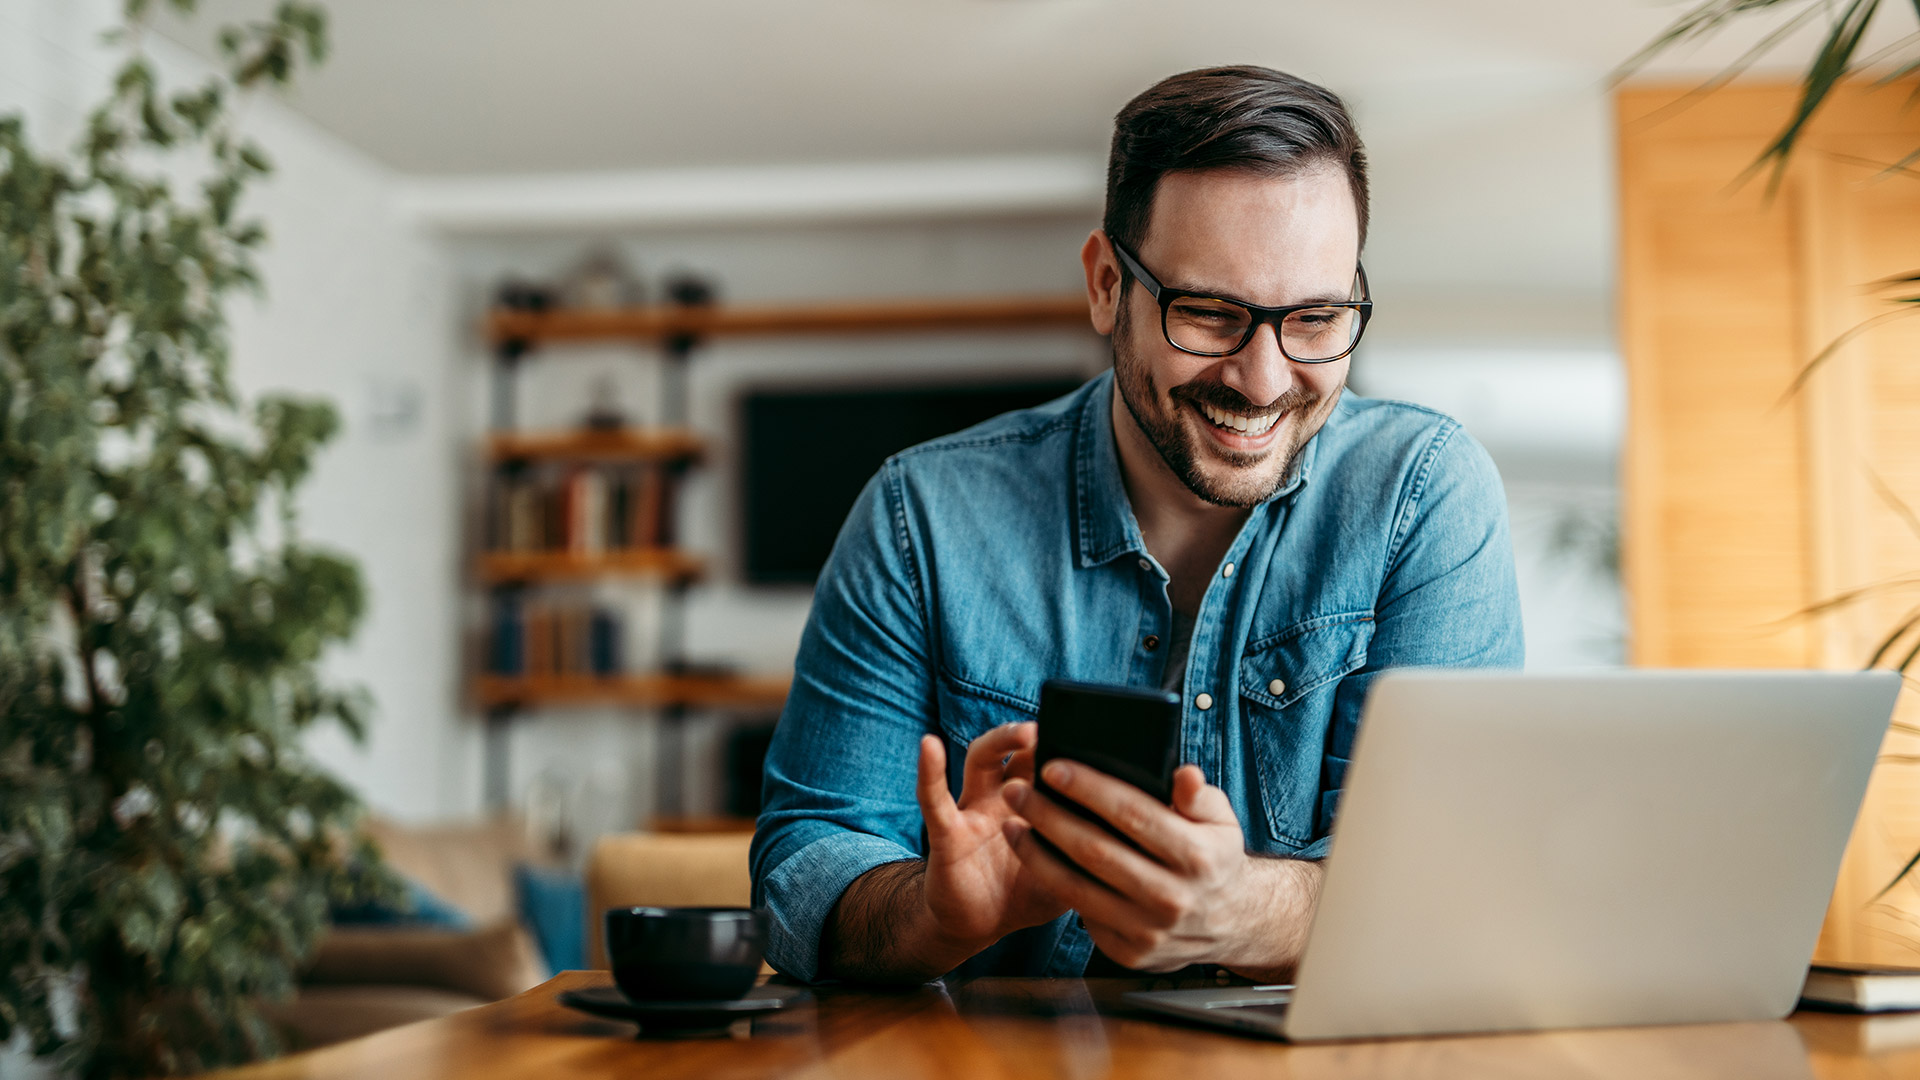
167,850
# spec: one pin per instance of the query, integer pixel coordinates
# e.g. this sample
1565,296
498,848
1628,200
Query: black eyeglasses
1210,326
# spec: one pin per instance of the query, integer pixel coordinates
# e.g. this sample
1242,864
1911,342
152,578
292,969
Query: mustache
1227,399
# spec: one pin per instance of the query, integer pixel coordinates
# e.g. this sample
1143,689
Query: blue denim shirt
977,566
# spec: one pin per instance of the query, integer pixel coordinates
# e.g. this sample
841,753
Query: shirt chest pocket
968,711
1287,686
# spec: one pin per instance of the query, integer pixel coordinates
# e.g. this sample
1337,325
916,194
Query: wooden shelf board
641,690
666,564
993,313
628,444
715,823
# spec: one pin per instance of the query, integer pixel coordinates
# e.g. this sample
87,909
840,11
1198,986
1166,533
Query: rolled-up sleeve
838,795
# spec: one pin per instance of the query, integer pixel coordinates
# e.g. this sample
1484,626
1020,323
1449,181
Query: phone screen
1125,732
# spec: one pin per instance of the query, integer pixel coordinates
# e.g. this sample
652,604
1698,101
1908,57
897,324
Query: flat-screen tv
808,450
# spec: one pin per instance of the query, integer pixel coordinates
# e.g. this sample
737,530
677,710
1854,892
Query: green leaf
1897,878
255,158
1911,620
1820,358
1834,62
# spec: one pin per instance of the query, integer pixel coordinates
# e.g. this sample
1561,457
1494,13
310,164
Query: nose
1260,371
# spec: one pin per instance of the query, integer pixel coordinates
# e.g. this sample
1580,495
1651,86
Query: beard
1247,479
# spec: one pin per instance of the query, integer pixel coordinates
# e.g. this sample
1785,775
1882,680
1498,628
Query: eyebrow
1222,294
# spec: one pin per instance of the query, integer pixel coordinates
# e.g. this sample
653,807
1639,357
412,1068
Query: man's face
1229,426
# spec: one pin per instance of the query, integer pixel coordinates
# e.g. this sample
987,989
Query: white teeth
1252,427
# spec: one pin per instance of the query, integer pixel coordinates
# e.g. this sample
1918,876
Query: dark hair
1244,117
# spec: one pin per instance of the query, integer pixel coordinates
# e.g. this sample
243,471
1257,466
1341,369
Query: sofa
366,979
363,980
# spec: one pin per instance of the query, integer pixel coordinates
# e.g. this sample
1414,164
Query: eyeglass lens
1216,327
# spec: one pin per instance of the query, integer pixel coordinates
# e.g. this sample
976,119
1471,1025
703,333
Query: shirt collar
1106,526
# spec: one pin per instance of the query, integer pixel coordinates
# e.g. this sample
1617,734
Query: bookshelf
670,446
546,526
882,316
641,691
647,563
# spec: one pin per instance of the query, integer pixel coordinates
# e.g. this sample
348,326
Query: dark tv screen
808,451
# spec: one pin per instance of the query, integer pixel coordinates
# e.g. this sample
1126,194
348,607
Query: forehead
1268,239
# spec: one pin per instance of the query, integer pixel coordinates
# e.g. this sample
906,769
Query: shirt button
1203,702
1276,688
1151,642
1227,570
1145,565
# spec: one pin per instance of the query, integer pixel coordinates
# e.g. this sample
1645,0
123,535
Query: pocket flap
969,710
1280,670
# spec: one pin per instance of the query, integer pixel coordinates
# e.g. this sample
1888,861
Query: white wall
358,310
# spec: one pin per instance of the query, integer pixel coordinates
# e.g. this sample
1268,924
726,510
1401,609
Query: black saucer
609,1002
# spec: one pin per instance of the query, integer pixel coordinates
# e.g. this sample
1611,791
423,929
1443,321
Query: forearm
882,931
1284,896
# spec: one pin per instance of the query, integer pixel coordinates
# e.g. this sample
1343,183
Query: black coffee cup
685,954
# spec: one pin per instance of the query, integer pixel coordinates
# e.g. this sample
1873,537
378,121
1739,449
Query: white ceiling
1487,121
511,86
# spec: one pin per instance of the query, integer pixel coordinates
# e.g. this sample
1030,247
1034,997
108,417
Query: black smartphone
1125,732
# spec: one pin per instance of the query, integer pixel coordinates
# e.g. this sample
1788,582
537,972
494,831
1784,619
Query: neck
1187,534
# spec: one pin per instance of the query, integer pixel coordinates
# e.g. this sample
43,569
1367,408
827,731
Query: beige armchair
664,870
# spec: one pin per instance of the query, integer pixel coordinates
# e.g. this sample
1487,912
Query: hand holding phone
1126,732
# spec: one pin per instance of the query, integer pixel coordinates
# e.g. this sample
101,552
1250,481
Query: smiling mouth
1250,426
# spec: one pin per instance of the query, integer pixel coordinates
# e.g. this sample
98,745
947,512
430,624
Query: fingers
1198,800
930,788
1134,950
987,757
1094,901
1093,849
1000,753
1138,815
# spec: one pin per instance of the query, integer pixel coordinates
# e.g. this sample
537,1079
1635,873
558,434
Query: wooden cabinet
1750,503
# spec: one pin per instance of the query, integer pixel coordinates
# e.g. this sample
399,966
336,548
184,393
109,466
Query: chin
1228,477
1223,486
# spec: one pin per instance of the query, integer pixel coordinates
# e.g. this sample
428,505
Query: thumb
936,802
1197,800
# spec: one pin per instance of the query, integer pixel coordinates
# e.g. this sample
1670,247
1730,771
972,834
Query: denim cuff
1316,850
804,888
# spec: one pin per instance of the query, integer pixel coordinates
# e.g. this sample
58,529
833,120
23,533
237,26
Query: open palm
976,887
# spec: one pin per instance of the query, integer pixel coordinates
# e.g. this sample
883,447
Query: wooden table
990,1029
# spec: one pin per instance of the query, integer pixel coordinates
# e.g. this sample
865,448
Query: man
1216,516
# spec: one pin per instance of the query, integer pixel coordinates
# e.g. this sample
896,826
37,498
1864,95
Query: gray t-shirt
1179,641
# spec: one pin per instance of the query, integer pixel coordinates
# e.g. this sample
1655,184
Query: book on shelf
586,502
507,648
549,638
1863,987
584,511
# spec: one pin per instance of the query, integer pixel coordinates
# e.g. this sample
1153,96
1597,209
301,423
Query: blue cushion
419,908
553,904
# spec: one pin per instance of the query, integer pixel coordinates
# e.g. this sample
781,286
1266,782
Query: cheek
1324,379
1159,366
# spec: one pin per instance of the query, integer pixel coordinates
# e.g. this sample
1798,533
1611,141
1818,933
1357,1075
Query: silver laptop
1539,851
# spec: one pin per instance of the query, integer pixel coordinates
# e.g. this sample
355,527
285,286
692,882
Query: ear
1103,280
